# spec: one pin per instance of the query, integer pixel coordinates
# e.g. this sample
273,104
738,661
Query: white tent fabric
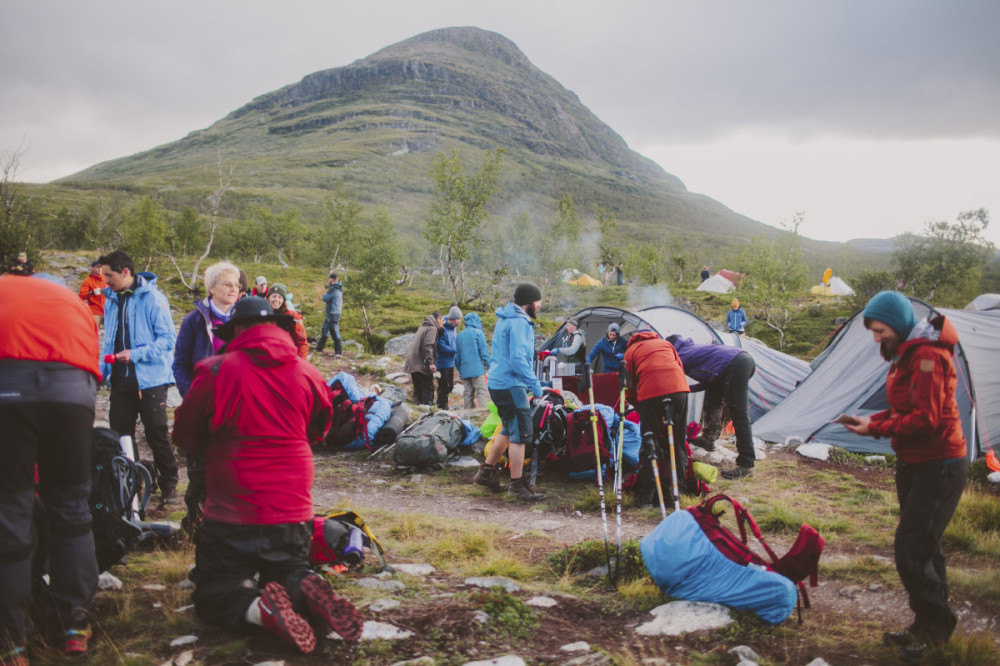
985,302
717,285
837,287
849,377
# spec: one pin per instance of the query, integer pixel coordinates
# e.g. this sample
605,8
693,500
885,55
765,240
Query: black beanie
526,293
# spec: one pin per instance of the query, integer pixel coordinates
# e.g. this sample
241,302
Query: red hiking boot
340,614
77,640
277,616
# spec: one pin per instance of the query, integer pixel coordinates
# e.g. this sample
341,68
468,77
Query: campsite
440,532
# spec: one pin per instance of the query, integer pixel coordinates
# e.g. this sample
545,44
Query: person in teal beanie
894,309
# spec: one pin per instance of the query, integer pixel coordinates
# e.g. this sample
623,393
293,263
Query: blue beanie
894,309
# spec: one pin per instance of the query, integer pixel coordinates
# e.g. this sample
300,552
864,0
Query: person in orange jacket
92,292
655,373
277,296
932,465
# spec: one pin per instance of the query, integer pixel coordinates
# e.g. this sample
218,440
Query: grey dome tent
849,377
984,302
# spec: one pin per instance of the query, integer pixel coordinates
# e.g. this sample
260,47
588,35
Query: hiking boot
324,604
488,475
77,640
277,616
914,653
703,442
520,489
16,657
737,472
898,638
169,497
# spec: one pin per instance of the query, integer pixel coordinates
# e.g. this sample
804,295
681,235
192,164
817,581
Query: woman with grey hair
196,340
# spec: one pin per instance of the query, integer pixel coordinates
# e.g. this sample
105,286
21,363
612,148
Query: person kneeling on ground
258,464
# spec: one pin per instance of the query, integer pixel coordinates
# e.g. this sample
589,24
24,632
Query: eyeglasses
228,285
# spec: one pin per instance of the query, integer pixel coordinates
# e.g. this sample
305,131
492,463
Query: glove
620,356
544,354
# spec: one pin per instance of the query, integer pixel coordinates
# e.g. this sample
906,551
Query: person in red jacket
655,373
277,296
259,471
92,292
48,391
932,467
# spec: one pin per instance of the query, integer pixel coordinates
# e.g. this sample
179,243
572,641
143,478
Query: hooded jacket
445,353
473,354
420,358
704,363
195,341
334,299
258,462
654,368
923,418
511,364
736,319
608,351
151,332
95,302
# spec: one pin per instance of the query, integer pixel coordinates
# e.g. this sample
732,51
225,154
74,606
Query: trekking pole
618,469
649,442
669,419
588,380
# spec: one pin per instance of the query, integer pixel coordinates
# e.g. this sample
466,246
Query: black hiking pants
228,556
423,388
928,495
150,405
58,436
445,385
651,419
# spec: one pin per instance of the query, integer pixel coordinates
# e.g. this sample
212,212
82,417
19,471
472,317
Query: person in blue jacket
611,348
139,333
334,300
472,358
723,373
444,357
511,376
736,318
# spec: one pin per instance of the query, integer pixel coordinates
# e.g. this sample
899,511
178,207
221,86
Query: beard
888,348
532,310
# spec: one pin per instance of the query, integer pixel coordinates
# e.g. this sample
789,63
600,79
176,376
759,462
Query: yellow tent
586,281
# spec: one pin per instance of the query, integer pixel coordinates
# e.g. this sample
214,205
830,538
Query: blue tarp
686,565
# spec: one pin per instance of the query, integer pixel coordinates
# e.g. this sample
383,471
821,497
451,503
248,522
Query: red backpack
350,419
578,454
800,562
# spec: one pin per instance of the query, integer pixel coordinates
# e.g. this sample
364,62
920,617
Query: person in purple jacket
723,373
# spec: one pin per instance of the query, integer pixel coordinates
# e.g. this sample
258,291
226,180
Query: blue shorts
514,412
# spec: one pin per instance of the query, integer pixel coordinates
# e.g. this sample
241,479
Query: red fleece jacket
654,367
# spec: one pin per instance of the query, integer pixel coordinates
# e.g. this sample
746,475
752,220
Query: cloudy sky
872,117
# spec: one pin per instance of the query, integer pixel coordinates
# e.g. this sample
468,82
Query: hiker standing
932,464
705,273
611,350
620,274
511,376
574,345
259,467
420,360
736,318
259,286
48,388
444,356
139,333
197,340
472,357
334,300
655,373
723,373
92,292
277,296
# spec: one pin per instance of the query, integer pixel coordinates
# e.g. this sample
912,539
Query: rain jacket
473,354
195,341
608,351
923,418
654,368
736,319
445,354
334,299
258,462
95,302
420,358
704,363
151,330
513,351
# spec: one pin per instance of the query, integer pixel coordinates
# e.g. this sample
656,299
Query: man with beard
932,466
510,376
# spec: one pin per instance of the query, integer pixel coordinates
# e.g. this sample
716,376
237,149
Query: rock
598,572
850,591
415,569
399,345
419,661
544,525
402,381
186,584
376,584
542,602
744,653
818,661
183,609
463,461
184,640
993,477
579,646
270,663
681,617
183,659
399,487
380,605
874,587
589,659
482,617
506,660
107,581
376,630
154,588
417,478
395,394
816,451
494,581
874,459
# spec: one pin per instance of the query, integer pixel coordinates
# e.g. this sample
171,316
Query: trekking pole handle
585,377
668,412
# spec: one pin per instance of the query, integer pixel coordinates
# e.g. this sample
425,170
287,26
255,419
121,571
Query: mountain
374,127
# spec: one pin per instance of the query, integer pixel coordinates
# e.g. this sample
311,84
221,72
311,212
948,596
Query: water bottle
127,447
353,553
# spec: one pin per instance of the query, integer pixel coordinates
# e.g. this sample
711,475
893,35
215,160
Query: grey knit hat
454,313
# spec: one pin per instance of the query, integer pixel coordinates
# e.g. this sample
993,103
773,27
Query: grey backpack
430,441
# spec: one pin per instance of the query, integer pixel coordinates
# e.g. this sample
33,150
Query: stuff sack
578,454
430,441
399,416
339,541
801,561
685,564
119,493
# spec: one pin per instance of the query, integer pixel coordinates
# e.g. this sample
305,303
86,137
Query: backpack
119,492
692,482
350,420
800,562
548,425
430,441
339,540
578,454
